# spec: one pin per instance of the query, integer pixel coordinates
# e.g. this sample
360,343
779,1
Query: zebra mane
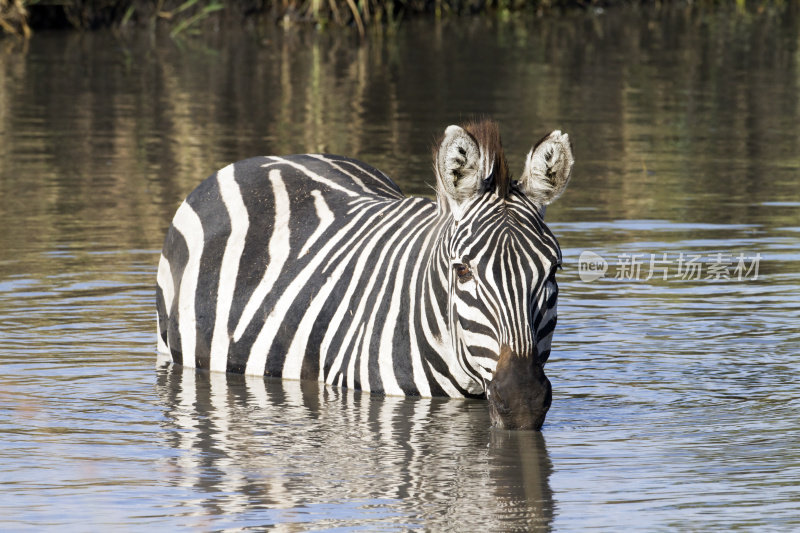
486,134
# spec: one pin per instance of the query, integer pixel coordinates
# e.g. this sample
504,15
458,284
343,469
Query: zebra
317,267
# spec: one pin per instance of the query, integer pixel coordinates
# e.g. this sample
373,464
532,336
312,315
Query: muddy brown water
675,374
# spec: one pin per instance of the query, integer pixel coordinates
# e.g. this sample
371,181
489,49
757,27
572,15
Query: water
676,401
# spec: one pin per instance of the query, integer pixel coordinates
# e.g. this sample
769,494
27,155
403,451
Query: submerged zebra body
317,267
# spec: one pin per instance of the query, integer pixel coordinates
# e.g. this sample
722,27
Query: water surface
676,400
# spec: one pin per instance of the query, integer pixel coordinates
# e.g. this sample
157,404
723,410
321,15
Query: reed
19,17
14,17
182,16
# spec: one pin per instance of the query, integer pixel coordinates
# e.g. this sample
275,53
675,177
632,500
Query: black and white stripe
317,267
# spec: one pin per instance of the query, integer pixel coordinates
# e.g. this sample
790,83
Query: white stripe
278,254
187,223
237,212
545,343
444,383
385,364
354,178
164,281
522,304
325,216
385,360
382,180
365,250
351,364
386,344
294,356
313,175
420,379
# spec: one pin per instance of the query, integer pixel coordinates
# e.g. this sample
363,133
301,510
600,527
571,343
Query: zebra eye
463,272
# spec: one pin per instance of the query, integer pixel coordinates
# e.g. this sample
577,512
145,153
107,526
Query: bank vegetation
22,17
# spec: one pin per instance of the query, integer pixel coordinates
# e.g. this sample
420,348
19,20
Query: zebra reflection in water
254,452
317,267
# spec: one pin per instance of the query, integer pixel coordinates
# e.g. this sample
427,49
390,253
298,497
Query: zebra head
501,260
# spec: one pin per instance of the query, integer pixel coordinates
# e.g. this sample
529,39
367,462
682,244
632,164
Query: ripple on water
675,401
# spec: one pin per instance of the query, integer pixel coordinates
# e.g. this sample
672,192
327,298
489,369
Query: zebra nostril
519,394
496,400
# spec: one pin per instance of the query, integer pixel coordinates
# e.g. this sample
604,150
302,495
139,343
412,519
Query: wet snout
519,394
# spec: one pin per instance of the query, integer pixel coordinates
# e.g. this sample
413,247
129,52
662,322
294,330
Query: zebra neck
429,325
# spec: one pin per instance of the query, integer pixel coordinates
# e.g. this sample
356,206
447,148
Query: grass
14,17
19,17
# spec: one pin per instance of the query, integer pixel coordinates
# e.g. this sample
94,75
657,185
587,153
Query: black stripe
177,253
216,223
485,222
547,329
161,312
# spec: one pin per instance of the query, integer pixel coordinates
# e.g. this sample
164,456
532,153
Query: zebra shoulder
339,173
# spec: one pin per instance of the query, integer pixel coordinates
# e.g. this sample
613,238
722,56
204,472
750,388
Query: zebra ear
547,169
457,168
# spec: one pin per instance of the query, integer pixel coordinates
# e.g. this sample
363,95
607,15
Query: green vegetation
14,17
19,17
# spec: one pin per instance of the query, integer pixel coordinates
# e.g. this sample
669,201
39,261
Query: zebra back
317,267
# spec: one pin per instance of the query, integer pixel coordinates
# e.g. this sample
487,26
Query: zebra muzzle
519,394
